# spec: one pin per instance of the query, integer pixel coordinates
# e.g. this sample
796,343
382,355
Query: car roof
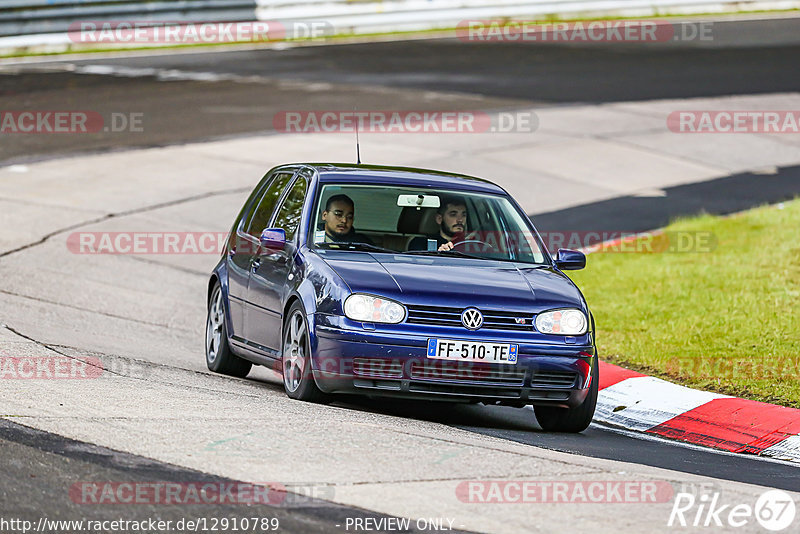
379,174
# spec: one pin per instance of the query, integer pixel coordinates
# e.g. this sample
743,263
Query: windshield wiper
348,245
465,255
451,252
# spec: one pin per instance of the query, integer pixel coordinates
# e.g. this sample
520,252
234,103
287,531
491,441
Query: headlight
562,322
369,309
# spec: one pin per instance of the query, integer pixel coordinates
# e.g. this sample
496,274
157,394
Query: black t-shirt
421,243
350,237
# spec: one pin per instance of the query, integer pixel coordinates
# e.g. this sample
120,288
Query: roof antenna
358,147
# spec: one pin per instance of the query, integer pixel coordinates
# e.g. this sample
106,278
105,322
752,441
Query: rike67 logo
774,510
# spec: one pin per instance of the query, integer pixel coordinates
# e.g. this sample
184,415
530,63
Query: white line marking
788,449
642,402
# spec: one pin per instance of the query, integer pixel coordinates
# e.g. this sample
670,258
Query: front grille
536,394
464,390
377,367
457,372
492,320
543,379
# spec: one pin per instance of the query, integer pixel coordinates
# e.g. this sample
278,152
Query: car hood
455,282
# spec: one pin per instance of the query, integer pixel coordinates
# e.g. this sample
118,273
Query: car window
493,228
377,208
246,213
259,218
291,210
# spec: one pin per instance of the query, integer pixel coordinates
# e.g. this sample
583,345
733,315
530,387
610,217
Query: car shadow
474,416
640,214
447,413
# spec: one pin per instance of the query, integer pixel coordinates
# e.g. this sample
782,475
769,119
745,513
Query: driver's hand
447,246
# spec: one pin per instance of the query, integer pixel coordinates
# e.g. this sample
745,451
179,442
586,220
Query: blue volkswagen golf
389,281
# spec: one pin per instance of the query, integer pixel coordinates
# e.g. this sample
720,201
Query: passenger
338,218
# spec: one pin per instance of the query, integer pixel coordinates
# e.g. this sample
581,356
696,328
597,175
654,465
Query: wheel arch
305,294
212,281
218,275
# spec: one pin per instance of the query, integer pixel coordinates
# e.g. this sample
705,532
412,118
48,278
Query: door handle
256,264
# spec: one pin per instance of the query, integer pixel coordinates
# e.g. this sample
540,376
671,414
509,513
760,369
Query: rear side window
259,218
292,209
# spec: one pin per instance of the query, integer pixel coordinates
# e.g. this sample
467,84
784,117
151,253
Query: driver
338,218
451,216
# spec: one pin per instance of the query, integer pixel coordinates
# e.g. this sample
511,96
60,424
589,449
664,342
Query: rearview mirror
273,238
418,201
570,260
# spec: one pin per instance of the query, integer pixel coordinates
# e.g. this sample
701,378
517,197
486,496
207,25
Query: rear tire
298,377
219,357
573,420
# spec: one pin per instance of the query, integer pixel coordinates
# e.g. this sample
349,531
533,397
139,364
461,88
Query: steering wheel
474,241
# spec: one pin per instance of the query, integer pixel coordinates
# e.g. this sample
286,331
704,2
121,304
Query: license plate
472,351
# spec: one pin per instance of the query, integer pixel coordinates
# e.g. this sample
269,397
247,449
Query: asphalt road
181,111
251,86
540,75
41,472
490,77
598,442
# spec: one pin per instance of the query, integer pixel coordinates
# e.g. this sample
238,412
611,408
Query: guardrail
48,20
21,17
348,16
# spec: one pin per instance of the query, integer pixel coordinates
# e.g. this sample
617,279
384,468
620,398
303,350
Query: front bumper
360,361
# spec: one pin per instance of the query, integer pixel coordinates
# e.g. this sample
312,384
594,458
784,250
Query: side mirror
570,260
273,238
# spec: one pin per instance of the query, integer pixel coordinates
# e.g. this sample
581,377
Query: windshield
423,221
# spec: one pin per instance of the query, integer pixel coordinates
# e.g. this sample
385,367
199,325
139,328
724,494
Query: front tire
219,357
573,420
298,377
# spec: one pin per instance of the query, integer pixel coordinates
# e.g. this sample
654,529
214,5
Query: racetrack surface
250,86
42,468
734,61
598,442
146,314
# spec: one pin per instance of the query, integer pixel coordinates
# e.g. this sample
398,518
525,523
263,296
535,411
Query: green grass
726,320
